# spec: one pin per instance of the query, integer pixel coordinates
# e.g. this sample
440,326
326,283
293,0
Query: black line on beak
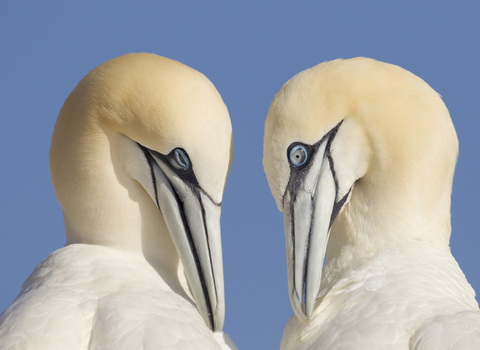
191,243
195,254
295,183
338,205
292,219
307,258
204,217
150,162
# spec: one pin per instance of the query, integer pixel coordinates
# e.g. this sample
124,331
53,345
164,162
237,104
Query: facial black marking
184,173
305,263
193,249
150,162
183,169
204,217
338,206
298,173
174,161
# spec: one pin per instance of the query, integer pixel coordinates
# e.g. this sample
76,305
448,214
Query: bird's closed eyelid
178,161
178,158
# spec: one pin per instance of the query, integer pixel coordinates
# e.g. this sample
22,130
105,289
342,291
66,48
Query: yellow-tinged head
139,159
157,102
381,151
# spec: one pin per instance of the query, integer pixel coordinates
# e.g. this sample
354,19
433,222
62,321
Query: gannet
139,159
360,156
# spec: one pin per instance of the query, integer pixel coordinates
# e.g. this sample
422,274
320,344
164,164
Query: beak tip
303,315
304,319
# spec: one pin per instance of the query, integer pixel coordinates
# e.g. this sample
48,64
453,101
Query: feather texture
92,297
401,299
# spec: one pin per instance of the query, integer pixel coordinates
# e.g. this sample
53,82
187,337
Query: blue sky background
248,49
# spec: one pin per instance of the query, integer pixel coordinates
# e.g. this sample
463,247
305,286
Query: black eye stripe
187,174
298,173
310,150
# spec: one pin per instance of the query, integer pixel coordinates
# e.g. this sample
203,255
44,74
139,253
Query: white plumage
403,298
92,297
360,156
132,142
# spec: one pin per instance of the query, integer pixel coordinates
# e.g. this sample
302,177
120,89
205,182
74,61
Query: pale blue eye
181,160
298,155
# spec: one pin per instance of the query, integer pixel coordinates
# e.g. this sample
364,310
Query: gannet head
139,160
359,155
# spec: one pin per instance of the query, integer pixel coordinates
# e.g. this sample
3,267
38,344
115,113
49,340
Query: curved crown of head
402,122
139,159
155,101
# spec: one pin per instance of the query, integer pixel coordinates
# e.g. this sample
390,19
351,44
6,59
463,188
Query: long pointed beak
308,206
193,220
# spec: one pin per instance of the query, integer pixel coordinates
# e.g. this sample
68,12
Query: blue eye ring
298,155
180,160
